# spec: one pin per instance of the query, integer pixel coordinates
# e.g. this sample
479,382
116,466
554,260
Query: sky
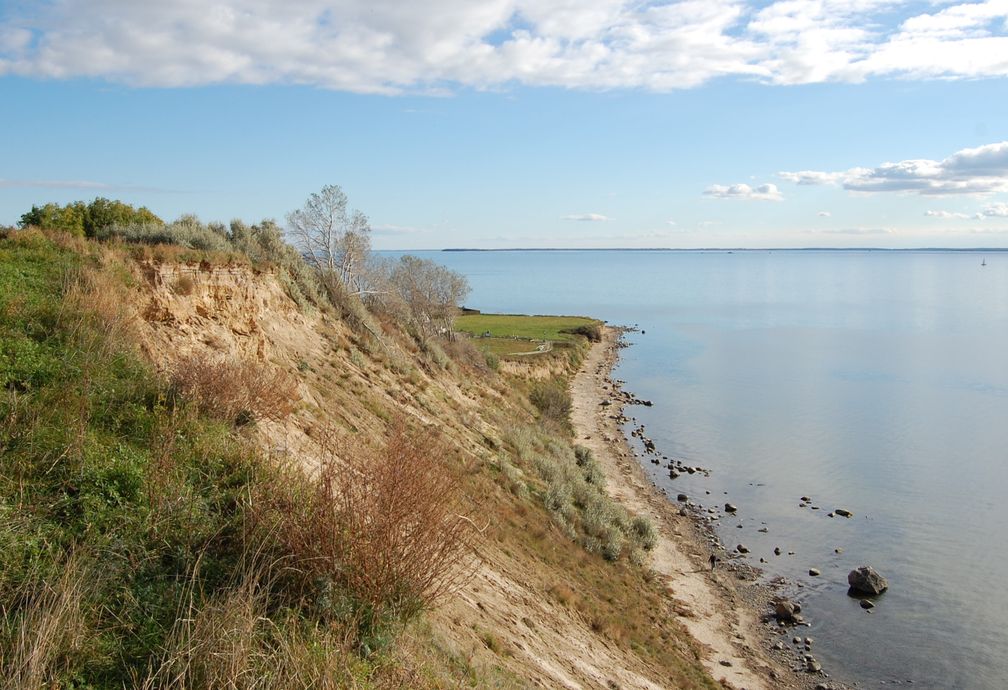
513,123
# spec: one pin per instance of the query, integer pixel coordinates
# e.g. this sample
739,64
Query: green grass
518,326
505,347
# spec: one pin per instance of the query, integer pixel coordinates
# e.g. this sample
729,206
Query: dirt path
710,607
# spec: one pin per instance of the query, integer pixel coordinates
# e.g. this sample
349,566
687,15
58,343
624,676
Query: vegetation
144,543
556,328
80,219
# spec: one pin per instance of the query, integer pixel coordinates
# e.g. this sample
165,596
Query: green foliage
78,218
559,328
553,401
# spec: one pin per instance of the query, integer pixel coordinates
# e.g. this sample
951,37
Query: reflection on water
873,381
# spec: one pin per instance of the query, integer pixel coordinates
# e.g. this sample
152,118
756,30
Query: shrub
384,529
553,401
233,390
592,331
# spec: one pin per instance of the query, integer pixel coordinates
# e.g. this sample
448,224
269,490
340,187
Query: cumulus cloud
763,192
980,170
824,214
589,217
853,231
391,47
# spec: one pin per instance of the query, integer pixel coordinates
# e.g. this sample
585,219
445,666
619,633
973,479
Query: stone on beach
729,508
867,580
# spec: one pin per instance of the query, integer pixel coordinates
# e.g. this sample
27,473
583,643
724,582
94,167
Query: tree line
326,237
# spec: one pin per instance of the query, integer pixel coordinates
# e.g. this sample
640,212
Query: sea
875,381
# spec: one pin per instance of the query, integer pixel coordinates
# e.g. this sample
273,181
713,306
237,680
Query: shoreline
722,610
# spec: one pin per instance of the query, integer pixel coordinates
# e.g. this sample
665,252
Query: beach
722,608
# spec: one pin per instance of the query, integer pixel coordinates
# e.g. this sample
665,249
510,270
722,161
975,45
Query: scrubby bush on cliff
78,218
380,534
553,401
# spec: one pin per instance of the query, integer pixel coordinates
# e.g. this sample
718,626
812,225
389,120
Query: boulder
784,611
682,497
843,512
866,580
742,548
814,572
729,508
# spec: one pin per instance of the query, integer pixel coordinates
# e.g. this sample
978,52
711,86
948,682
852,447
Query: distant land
728,250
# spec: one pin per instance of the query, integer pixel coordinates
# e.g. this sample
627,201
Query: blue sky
511,123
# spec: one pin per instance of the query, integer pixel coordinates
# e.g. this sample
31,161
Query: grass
136,544
556,328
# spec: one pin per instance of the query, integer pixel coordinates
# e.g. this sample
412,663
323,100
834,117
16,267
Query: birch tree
334,240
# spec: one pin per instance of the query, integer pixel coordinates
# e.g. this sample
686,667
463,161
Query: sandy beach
719,608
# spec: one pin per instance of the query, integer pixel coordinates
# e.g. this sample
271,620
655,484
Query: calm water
873,381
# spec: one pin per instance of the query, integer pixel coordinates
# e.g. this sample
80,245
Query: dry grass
39,642
391,527
234,390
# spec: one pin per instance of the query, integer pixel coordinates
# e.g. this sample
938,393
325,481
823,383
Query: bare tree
334,240
432,293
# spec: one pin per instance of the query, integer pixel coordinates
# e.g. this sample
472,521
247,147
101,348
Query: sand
711,606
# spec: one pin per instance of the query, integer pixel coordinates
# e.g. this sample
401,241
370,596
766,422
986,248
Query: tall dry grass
49,627
234,390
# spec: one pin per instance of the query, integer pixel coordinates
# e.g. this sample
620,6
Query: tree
432,293
78,218
334,240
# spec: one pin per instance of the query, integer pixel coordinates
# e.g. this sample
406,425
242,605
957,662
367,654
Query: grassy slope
144,503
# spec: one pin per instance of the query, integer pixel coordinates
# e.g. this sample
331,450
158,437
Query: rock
796,640
682,497
778,645
843,512
742,548
812,666
776,551
867,604
866,580
729,508
725,662
764,530
838,550
786,611
829,514
805,499
814,572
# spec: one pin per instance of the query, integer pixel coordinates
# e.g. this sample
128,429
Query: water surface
873,381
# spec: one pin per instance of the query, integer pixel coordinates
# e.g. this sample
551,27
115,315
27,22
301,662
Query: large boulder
867,580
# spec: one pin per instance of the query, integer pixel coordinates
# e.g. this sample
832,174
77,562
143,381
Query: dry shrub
388,527
465,353
553,401
234,390
42,638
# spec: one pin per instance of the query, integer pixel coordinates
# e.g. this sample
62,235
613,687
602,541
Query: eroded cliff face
516,623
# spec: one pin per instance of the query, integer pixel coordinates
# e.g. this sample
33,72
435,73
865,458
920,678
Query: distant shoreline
726,250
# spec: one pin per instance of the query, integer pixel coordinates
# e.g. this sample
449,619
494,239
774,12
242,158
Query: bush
379,534
234,391
553,401
592,332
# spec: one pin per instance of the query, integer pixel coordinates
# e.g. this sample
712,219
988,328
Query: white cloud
763,192
391,46
73,184
979,170
947,214
589,217
824,214
670,222
998,210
